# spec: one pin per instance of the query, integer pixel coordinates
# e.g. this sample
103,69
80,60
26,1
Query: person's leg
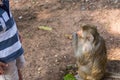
2,77
20,63
11,72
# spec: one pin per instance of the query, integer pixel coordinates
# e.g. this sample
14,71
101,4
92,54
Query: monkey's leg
82,74
96,74
98,77
78,77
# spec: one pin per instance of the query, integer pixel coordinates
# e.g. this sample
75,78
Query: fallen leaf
68,36
45,28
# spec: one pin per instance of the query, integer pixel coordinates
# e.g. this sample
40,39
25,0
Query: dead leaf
68,36
45,28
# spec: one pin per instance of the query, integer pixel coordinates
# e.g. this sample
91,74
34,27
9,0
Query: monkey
90,53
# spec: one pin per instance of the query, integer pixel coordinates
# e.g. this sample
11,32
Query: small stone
47,1
56,60
51,71
86,0
61,71
116,1
38,72
16,1
20,17
83,8
41,59
111,39
56,55
54,64
39,69
65,57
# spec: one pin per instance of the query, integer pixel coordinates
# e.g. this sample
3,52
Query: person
11,51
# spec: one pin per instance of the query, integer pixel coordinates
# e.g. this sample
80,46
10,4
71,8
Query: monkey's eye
90,38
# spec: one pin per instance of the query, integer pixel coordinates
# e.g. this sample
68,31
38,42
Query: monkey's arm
75,41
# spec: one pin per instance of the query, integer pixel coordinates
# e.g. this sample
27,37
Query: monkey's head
87,33
85,38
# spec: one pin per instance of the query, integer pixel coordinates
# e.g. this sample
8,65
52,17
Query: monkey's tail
112,75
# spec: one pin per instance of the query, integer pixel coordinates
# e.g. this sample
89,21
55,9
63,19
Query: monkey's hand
75,41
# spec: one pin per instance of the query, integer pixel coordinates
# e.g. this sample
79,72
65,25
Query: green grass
69,77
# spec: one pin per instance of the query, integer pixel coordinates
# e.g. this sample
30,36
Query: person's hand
0,2
2,67
20,38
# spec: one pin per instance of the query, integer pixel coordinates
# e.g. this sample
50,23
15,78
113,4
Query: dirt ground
47,53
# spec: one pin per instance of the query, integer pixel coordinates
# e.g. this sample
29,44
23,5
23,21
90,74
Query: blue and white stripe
10,46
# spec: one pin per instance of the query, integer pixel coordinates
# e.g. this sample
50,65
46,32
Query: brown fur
90,53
